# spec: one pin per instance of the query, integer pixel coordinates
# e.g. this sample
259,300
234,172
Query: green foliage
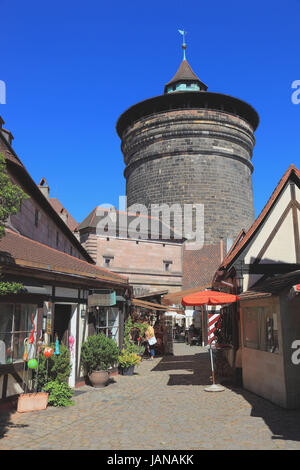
10,287
60,393
127,359
11,196
129,345
99,353
59,367
142,327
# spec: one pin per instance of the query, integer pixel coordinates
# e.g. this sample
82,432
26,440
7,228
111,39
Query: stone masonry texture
162,406
193,156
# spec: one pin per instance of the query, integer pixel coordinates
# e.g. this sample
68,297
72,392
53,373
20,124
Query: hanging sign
104,298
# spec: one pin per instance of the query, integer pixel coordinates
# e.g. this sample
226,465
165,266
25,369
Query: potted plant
98,353
127,361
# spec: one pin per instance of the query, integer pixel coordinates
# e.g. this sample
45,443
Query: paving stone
163,407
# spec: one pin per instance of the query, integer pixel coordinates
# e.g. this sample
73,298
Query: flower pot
32,402
99,378
127,370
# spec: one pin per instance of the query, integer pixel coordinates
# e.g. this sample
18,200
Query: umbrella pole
212,365
214,387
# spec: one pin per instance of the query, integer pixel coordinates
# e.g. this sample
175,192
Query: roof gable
291,175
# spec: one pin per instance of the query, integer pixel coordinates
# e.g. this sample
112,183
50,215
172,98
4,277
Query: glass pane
6,322
101,318
23,320
269,332
18,345
113,317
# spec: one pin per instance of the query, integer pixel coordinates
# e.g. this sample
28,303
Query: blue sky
72,67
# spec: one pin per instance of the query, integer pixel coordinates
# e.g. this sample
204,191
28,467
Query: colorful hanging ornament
48,352
25,355
71,345
32,364
56,347
31,337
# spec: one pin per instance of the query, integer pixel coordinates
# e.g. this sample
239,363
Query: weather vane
183,34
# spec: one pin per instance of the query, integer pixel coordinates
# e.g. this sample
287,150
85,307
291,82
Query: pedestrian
151,341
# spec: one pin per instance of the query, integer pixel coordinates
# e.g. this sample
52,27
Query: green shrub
99,353
60,393
59,367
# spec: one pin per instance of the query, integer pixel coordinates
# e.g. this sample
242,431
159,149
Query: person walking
151,341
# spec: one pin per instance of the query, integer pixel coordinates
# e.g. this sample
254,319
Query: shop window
15,326
261,329
107,321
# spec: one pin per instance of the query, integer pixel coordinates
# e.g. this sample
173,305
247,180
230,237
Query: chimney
44,188
6,134
64,215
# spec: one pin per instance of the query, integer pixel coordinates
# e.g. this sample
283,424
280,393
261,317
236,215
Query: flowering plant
127,359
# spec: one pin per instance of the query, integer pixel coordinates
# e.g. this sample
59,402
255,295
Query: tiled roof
118,218
292,170
185,73
23,251
8,153
58,207
199,266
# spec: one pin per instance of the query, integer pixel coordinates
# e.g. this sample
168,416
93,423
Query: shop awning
153,306
175,298
40,290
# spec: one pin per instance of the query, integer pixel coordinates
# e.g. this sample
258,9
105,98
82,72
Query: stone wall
43,229
193,156
142,261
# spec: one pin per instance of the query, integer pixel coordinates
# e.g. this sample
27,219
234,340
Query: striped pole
212,320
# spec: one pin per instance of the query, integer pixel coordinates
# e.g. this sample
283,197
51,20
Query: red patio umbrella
210,297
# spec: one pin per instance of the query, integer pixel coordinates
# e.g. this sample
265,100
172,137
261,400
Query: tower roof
185,75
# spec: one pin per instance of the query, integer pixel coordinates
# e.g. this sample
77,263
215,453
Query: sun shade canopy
209,297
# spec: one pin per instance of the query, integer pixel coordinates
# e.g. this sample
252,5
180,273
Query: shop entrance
62,319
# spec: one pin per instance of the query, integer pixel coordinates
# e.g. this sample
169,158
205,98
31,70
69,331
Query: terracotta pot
99,378
32,402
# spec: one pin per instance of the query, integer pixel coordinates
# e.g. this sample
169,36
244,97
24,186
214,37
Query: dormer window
107,260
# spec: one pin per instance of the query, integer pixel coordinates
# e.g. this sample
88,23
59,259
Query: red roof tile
59,208
199,266
25,252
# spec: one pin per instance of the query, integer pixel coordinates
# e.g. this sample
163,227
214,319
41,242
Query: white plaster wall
263,372
284,238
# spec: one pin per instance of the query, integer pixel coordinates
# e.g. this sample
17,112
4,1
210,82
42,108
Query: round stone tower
191,146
